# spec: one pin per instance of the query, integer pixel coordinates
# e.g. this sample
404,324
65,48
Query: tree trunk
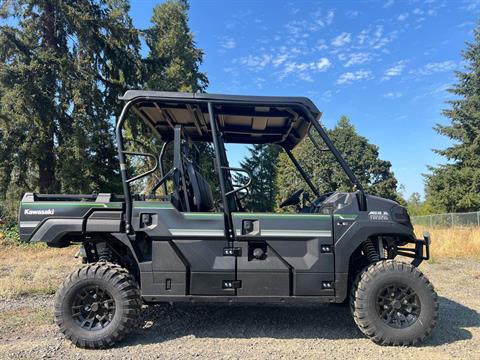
46,157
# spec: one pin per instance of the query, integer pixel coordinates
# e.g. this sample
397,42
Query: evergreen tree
173,61
262,165
417,207
455,187
373,173
63,66
173,64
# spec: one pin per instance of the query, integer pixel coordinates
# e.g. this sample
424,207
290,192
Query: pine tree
173,64
455,187
417,207
173,61
63,66
363,158
261,163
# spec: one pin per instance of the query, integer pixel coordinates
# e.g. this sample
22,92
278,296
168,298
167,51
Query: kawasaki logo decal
39,212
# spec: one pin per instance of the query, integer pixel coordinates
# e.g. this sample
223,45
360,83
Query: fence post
478,218
431,220
451,219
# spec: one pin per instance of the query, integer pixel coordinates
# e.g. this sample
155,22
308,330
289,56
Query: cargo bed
56,219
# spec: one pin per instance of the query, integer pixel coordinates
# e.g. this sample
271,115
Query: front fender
360,231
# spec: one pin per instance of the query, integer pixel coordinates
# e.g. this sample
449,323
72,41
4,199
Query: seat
202,193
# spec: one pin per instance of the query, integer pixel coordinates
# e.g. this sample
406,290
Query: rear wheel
394,303
98,305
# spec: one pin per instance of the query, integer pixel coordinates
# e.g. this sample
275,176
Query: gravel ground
256,331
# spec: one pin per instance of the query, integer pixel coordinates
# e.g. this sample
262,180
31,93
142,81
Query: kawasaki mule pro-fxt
181,246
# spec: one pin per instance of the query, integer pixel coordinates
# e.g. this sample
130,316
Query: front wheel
97,305
393,303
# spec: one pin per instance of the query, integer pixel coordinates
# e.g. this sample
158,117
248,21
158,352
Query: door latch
232,251
231,284
325,249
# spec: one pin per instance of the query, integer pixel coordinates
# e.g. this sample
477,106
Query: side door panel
187,249
298,257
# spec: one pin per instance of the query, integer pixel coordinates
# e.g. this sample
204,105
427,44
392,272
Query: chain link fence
448,220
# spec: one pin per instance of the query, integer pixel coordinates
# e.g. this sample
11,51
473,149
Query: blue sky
386,65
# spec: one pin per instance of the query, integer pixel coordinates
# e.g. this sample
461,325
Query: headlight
400,214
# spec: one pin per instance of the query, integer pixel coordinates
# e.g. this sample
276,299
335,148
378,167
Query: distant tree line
275,177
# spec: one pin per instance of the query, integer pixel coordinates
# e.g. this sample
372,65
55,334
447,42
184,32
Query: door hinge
232,251
231,284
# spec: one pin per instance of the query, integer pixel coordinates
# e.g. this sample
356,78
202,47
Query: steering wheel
293,199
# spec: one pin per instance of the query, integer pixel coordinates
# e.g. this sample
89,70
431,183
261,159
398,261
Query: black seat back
192,191
202,193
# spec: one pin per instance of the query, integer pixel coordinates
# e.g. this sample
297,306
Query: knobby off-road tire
393,303
98,305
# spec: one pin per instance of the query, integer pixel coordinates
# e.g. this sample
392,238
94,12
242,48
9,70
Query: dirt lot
256,331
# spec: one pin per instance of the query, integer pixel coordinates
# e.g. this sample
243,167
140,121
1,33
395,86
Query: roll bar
218,145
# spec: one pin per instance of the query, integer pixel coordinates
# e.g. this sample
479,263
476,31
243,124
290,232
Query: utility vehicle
175,244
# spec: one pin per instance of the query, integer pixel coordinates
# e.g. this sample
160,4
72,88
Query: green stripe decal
346,216
203,216
284,216
293,233
197,232
153,206
71,204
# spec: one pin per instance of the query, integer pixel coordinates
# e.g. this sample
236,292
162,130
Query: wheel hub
93,308
398,305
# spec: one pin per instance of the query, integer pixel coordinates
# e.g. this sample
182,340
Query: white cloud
256,62
395,70
300,29
323,20
349,77
403,17
471,4
465,24
342,39
393,95
388,4
280,59
417,11
228,43
355,58
375,38
304,69
352,14
323,64
436,67
321,45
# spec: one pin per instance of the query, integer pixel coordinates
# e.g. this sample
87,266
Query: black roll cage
219,155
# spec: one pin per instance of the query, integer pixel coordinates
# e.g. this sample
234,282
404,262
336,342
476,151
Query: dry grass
26,317
457,242
33,269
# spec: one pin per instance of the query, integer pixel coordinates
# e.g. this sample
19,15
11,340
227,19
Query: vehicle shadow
453,319
165,322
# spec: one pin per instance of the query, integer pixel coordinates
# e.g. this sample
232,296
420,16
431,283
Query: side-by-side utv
174,243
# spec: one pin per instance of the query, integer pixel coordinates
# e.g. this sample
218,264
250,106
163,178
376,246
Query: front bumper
420,252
